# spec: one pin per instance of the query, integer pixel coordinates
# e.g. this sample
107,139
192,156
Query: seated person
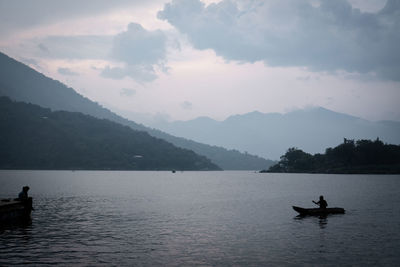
23,195
322,203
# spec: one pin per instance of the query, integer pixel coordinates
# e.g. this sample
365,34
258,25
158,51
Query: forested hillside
33,137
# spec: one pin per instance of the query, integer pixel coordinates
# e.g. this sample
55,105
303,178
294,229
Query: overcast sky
181,59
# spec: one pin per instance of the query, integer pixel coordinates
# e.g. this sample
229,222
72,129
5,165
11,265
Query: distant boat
15,210
318,211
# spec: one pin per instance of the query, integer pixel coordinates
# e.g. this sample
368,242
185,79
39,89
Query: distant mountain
269,135
37,138
22,83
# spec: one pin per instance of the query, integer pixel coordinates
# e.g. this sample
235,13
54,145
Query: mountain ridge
22,83
269,135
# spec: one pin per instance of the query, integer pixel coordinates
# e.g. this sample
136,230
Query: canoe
318,211
15,210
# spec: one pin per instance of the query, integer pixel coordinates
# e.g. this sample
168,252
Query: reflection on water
23,225
323,221
200,218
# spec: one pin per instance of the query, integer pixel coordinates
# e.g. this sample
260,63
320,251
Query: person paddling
322,203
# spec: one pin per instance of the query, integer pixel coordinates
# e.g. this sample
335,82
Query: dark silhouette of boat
15,210
318,211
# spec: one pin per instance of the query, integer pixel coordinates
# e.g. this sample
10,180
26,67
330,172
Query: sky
182,59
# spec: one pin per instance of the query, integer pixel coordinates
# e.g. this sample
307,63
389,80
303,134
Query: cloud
127,92
140,51
43,48
137,52
136,72
187,105
75,47
67,72
30,61
139,46
115,73
322,36
17,15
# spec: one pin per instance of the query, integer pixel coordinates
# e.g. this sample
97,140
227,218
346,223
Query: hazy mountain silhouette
269,135
22,83
37,138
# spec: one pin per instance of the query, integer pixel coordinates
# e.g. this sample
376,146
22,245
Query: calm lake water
95,218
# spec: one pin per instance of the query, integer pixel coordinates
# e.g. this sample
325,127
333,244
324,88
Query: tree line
362,156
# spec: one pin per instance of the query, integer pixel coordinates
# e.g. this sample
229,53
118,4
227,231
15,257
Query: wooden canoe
318,211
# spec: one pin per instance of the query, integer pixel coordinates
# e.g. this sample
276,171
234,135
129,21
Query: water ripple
200,219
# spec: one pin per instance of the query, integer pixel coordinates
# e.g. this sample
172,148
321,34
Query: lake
227,218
